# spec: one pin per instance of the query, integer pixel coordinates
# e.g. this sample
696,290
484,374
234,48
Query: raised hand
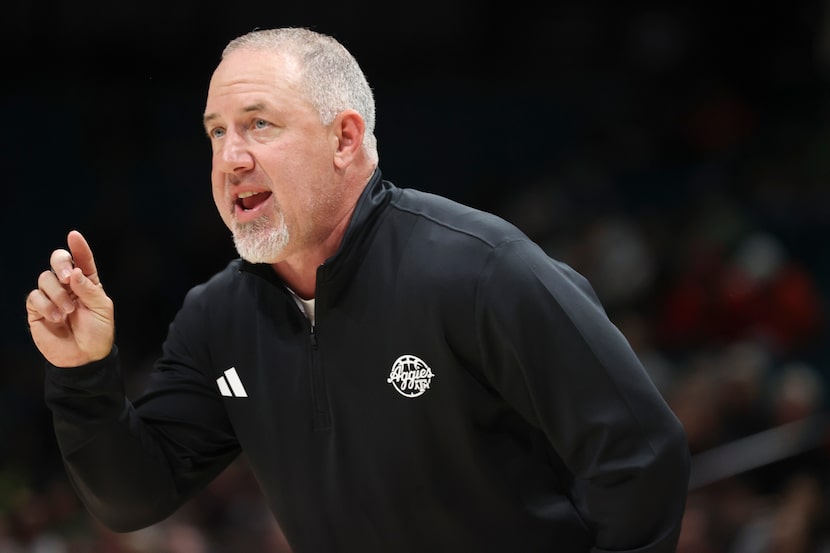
71,318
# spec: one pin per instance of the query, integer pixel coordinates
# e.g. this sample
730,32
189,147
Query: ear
347,130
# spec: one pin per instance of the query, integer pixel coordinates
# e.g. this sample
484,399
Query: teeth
247,194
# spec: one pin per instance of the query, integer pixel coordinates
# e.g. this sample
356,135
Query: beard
260,241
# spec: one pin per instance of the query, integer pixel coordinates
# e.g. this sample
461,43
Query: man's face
273,164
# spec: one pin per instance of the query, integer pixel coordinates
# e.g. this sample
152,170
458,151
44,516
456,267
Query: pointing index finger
82,255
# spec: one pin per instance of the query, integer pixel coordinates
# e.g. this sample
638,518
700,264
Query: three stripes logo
230,385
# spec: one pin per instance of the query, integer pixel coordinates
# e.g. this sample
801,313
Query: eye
217,132
260,124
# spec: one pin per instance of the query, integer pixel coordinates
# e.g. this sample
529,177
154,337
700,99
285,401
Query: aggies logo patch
410,376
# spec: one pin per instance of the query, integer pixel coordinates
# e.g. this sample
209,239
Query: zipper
321,418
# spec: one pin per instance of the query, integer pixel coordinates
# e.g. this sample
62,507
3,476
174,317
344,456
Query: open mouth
247,201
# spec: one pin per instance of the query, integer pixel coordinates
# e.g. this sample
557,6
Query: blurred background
676,153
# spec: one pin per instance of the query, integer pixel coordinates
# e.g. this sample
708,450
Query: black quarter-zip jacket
460,392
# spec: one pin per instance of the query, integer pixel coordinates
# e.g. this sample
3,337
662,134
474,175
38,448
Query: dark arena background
677,154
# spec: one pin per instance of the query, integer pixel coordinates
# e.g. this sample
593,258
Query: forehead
248,72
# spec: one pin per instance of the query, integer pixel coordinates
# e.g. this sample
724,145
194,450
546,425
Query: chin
260,242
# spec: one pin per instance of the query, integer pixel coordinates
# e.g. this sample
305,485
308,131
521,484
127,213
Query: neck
299,269
300,278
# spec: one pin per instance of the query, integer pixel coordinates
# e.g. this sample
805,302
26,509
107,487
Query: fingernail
56,316
68,307
64,274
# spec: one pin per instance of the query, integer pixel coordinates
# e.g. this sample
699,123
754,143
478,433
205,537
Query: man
403,373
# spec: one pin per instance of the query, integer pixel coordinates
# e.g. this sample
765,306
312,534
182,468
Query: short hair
331,76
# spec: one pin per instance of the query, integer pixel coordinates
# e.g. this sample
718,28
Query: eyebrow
259,106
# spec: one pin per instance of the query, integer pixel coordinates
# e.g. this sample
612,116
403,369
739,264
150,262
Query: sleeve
551,351
134,463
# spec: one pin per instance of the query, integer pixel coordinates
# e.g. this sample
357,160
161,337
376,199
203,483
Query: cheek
217,190
220,198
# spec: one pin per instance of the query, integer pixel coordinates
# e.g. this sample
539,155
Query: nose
232,155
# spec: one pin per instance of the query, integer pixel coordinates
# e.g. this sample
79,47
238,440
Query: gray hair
331,77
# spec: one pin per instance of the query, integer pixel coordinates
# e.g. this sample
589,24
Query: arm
131,465
551,351
135,464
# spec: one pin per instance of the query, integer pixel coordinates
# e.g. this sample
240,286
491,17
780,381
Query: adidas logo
230,385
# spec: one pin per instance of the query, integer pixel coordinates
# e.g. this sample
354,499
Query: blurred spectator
755,292
796,521
743,374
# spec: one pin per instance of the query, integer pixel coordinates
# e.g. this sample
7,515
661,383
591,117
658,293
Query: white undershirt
307,306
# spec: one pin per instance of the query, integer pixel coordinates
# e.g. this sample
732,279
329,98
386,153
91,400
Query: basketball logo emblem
410,376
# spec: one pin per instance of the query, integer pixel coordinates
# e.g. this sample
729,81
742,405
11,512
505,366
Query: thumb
90,294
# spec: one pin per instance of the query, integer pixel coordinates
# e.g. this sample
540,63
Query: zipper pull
313,338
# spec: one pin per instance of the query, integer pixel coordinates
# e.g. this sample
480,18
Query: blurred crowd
686,175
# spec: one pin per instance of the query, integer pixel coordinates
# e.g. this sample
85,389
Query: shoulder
217,286
219,301
506,257
438,214
447,238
